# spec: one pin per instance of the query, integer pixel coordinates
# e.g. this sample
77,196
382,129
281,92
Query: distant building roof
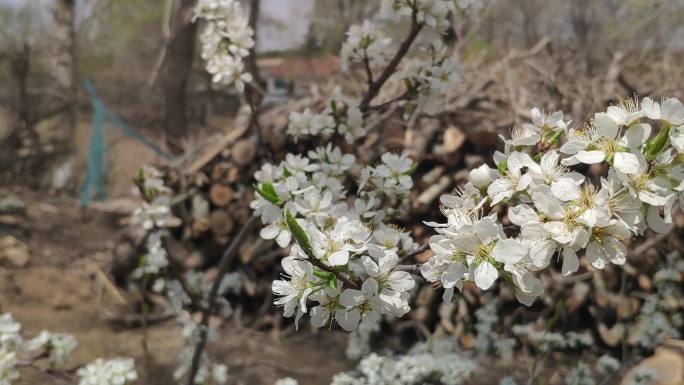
300,67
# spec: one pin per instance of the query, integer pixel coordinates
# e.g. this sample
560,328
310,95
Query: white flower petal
626,163
509,251
339,258
351,298
485,275
565,189
590,157
570,262
348,320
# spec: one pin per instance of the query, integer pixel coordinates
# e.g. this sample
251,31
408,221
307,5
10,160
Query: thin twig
145,336
254,121
366,65
415,252
413,269
374,87
225,262
319,264
382,106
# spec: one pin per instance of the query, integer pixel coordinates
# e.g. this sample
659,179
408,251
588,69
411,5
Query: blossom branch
413,269
317,263
382,106
375,87
415,252
369,71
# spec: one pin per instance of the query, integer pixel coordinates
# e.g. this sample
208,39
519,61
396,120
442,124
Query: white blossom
8,370
117,371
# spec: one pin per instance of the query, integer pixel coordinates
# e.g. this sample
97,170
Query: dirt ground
63,288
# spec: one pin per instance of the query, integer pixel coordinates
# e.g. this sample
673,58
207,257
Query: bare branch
225,262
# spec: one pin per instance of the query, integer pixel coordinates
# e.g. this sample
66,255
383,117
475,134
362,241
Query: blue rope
95,181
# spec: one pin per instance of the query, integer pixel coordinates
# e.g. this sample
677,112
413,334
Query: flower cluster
183,290
342,116
434,361
155,260
433,13
226,40
661,318
429,79
56,347
117,371
208,373
347,252
365,43
557,211
8,370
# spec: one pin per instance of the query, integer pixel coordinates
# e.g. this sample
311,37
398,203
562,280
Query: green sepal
323,274
268,192
300,235
556,135
332,282
656,145
502,167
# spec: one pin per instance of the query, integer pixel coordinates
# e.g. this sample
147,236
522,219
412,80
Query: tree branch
415,252
226,260
317,262
374,87
369,72
413,269
382,106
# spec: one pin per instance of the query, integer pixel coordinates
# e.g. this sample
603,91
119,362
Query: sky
291,23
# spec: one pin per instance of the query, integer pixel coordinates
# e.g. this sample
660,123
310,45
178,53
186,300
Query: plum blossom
514,179
295,288
117,371
602,141
226,39
359,305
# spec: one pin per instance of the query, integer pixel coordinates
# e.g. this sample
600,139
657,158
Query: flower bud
480,177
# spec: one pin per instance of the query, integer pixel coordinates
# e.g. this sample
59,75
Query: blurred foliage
120,36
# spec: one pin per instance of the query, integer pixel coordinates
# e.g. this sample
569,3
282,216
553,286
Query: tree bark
175,73
65,62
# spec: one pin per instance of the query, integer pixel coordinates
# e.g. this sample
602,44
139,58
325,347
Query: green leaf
268,192
300,235
656,145
502,167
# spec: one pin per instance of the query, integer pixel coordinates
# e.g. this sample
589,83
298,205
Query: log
244,152
219,172
220,195
221,223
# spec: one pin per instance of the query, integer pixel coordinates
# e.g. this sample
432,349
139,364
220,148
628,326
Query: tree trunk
251,62
65,62
175,72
